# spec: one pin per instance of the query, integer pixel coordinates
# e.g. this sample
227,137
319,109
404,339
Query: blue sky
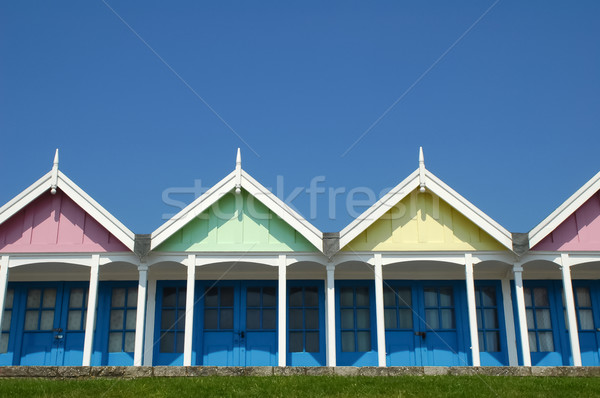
509,116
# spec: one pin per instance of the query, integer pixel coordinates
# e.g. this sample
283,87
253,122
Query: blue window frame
172,319
355,315
303,324
488,324
398,310
261,308
77,309
123,312
7,320
539,319
439,307
218,308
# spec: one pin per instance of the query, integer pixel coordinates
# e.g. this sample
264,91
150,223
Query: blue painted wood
499,358
169,354
589,335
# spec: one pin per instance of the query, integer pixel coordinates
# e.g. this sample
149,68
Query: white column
189,311
91,310
282,311
330,315
3,284
472,310
379,309
570,304
509,323
140,317
150,311
523,330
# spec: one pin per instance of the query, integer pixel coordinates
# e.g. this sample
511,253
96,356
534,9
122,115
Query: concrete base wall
130,372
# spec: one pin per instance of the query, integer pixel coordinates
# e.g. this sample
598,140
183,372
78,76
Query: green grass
307,386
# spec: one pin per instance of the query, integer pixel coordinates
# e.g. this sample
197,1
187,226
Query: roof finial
238,172
421,170
54,177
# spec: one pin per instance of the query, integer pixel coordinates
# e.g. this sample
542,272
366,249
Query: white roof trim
226,185
563,211
75,193
439,188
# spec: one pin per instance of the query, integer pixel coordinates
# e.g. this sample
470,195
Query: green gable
238,223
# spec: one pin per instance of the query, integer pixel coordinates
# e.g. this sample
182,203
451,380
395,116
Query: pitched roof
568,207
56,179
424,179
237,180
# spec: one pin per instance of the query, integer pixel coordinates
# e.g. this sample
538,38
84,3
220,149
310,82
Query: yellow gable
423,222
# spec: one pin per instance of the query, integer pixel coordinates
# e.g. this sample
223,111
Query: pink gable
579,232
54,223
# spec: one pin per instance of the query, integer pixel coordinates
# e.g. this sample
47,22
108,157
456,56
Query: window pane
296,319
74,320
179,339
489,296
543,319
583,297
390,318
405,318
253,319
129,342
311,297
479,319
492,341
6,320
348,342
481,341
8,301
76,298
269,297
540,297
546,341
295,298
362,319
4,343
364,341
31,320
49,298
431,318
130,319
116,319
586,320
226,318
169,297
491,318
34,298
181,299
389,297
312,342
527,294
529,315
430,297
446,299
115,342
312,319
211,319
118,297
269,319
253,297
532,342
211,297
167,320
296,342
131,299
47,320
167,342
180,321
227,296
347,317
404,297
447,318
346,297
362,296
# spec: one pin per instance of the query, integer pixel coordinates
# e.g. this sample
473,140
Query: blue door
422,324
239,323
306,323
53,324
170,322
587,304
493,349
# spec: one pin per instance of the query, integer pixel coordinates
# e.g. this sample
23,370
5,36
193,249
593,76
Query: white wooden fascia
379,208
567,208
25,197
469,210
